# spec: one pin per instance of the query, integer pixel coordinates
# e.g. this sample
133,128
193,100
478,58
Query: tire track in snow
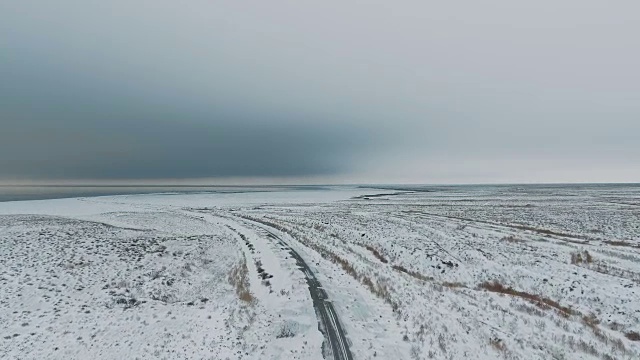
328,321
335,345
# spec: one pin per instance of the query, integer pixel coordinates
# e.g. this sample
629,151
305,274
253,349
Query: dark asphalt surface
335,345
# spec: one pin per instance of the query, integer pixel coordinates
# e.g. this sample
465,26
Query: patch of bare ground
238,278
376,253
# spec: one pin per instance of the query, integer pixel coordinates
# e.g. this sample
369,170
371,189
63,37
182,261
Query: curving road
335,344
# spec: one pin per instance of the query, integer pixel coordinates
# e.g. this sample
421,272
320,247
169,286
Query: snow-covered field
514,272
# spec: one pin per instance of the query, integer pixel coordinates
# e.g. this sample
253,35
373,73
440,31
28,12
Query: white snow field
487,272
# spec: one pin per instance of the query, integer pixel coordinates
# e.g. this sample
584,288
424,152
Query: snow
147,276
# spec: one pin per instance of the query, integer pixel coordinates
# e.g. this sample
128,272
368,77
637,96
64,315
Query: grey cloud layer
89,130
172,150
414,89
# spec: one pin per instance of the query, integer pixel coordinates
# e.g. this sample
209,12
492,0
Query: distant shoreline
51,192
57,191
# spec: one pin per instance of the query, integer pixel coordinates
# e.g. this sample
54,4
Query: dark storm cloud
70,112
416,91
67,127
172,150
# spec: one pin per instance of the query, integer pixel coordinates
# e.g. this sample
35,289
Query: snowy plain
490,272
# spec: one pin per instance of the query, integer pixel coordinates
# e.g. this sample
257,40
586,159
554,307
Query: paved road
335,344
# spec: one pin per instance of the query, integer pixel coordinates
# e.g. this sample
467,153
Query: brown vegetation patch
512,239
621,243
238,277
415,274
543,302
581,257
604,268
591,320
453,285
553,233
498,344
632,335
380,290
376,253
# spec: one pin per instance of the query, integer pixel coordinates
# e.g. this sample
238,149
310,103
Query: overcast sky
327,91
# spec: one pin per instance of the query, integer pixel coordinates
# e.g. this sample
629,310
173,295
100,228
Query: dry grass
498,344
414,274
566,236
376,253
454,285
238,278
587,348
632,335
581,257
512,239
621,243
604,268
592,348
379,288
590,321
531,310
344,264
383,289
540,301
